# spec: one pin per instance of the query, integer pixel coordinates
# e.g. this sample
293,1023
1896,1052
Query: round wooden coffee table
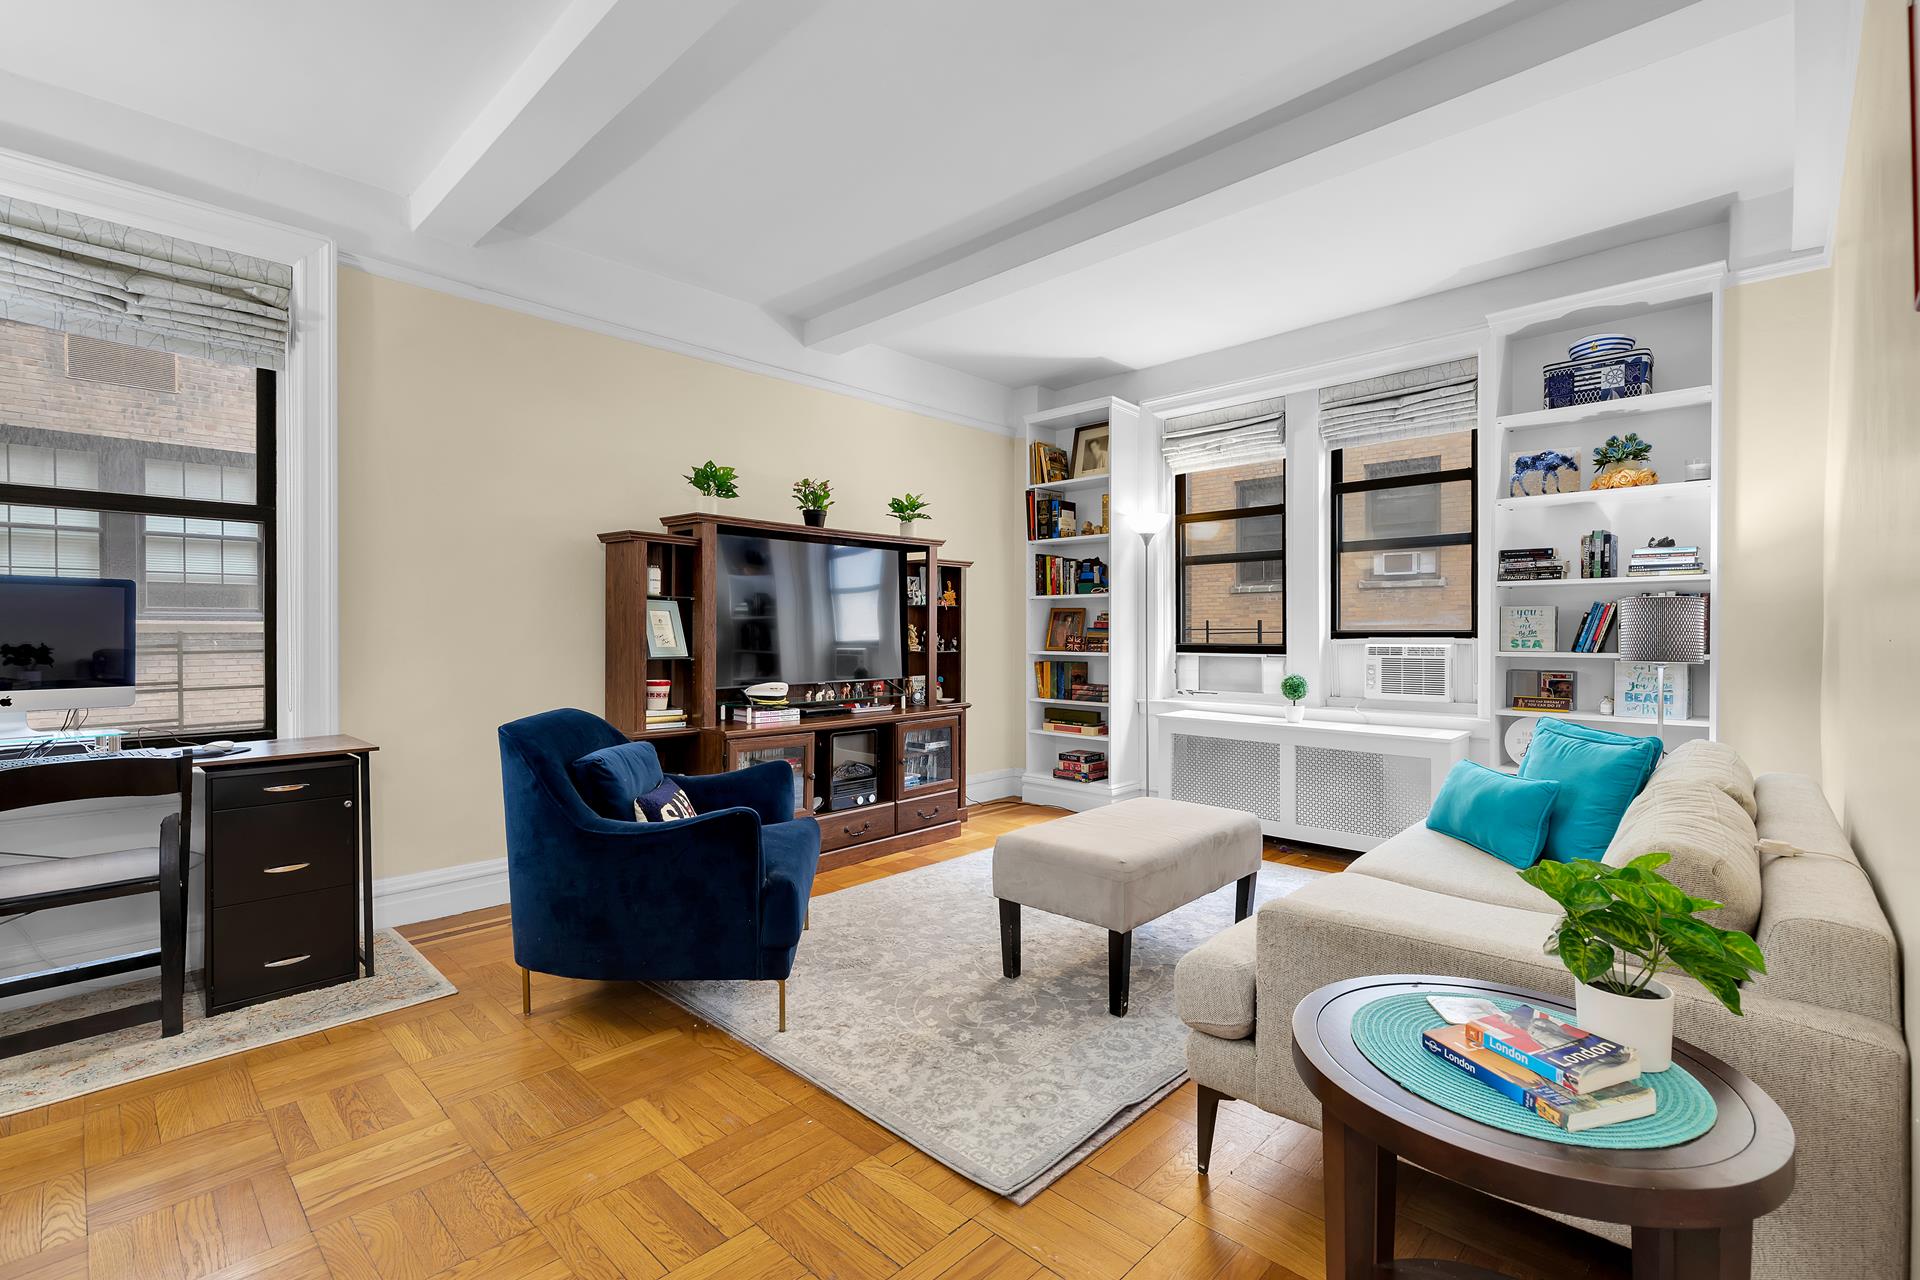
1691,1207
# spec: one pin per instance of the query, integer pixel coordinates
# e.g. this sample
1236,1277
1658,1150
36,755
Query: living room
653,579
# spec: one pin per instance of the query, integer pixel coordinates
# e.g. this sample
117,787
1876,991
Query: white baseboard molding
443,891
998,784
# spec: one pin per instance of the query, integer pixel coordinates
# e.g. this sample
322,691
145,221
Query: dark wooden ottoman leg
1119,971
1009,938
1243,896
1359,1189
1722,1253
1206,1108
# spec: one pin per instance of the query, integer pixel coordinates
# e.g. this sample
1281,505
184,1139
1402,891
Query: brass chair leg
526,992
781,983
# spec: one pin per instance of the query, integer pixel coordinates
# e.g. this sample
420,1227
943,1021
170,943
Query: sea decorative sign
1529,627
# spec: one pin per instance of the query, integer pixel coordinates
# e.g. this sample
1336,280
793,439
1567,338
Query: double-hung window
125,462
1230,544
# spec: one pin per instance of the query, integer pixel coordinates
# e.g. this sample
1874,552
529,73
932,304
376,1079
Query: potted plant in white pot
1626,925
1294,688
713,482
907,508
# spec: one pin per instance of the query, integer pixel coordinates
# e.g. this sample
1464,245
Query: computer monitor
65,644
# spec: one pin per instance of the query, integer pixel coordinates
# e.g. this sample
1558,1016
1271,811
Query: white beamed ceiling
884,195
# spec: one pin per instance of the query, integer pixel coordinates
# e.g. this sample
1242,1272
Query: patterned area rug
403,977
898,1008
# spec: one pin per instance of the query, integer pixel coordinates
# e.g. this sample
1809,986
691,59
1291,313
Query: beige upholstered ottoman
1120,866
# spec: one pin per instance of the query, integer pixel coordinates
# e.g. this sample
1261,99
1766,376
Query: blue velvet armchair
597,895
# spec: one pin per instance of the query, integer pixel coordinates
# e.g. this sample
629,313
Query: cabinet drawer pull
925,814
286,867
288,786
862,830
281,964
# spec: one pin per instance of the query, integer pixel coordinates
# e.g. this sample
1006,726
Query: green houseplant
907,508
1294,688
713,482
1623,927
814,497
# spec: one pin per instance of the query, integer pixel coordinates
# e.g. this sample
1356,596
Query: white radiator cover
1348,786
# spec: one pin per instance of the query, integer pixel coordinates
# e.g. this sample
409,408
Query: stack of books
1081,766
1084,692
1600,555
1591,636
1665,560
1065,576
761,717
1046,464
1567,1076
1531,564
1058,679
1048,513
667,718
1084,720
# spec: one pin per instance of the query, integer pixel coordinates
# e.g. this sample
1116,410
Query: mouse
220,744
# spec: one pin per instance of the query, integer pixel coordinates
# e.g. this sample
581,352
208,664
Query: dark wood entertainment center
919,753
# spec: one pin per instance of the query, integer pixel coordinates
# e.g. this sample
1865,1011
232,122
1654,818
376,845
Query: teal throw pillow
1599,772
1497,814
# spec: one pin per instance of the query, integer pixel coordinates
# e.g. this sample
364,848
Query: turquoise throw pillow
1505,816
1599,772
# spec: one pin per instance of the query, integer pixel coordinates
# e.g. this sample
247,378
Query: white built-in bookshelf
1677,317
1121,550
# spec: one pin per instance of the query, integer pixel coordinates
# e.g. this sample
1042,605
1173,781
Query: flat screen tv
806,612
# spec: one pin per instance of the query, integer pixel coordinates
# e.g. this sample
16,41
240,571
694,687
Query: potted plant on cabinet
1623,927
907,508
713,482
1294,688
814,497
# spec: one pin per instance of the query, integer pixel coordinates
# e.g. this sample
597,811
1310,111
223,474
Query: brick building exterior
86,414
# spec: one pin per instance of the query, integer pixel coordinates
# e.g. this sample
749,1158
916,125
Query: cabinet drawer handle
849,830
288,786
281,964
286,867
925,814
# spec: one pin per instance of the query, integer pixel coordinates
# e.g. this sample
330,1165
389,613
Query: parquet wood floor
612,1135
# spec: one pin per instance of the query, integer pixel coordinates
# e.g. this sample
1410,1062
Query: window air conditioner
1405,564
1410,672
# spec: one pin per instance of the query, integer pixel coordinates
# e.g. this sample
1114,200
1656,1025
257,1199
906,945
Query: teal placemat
1388,1031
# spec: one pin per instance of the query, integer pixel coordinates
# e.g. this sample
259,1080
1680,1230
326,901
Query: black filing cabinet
284,875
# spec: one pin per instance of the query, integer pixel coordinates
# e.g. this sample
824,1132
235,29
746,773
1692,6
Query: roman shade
1400,406
95,278
1229,437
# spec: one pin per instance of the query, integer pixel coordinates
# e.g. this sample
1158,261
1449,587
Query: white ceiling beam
1516,58
1826,51
598,56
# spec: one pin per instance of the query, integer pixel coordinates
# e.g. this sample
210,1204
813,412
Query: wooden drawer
917,812
287,784
272,850
856,826
263,948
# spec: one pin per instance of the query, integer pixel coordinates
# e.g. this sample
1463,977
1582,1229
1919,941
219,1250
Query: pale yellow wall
480,452
1871,744
1767,609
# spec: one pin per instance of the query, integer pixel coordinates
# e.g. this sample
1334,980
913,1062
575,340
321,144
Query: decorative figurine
949,598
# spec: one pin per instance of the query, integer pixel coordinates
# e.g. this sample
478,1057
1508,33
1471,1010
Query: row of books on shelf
1049,515
1531,564
1054,678
1081,766
1086,720
1648,561
1066,576
1595,624
1046,463
1565,1075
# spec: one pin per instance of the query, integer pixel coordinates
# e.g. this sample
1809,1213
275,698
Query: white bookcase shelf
1678,318
1118,668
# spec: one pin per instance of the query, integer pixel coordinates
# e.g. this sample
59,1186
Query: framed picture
665,636
1092,449
1064,625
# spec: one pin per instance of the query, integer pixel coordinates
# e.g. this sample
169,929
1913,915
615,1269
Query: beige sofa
1822,1029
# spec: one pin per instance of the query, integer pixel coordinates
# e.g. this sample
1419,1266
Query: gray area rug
898,1008
402,977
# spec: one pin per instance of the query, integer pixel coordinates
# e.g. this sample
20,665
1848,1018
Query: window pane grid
1230,546
1405,532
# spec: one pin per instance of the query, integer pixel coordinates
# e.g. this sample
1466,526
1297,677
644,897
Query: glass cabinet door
927,755
795,751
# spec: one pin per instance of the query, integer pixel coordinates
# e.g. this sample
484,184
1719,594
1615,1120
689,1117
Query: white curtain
1230,437
88,276
1399,406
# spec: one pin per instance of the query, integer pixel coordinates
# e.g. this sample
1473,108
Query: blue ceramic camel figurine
1549,464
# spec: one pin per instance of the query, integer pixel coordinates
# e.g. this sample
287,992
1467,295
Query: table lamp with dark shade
1664,629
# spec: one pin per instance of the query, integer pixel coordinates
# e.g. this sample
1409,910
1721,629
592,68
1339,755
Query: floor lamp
1664,629
1148,525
